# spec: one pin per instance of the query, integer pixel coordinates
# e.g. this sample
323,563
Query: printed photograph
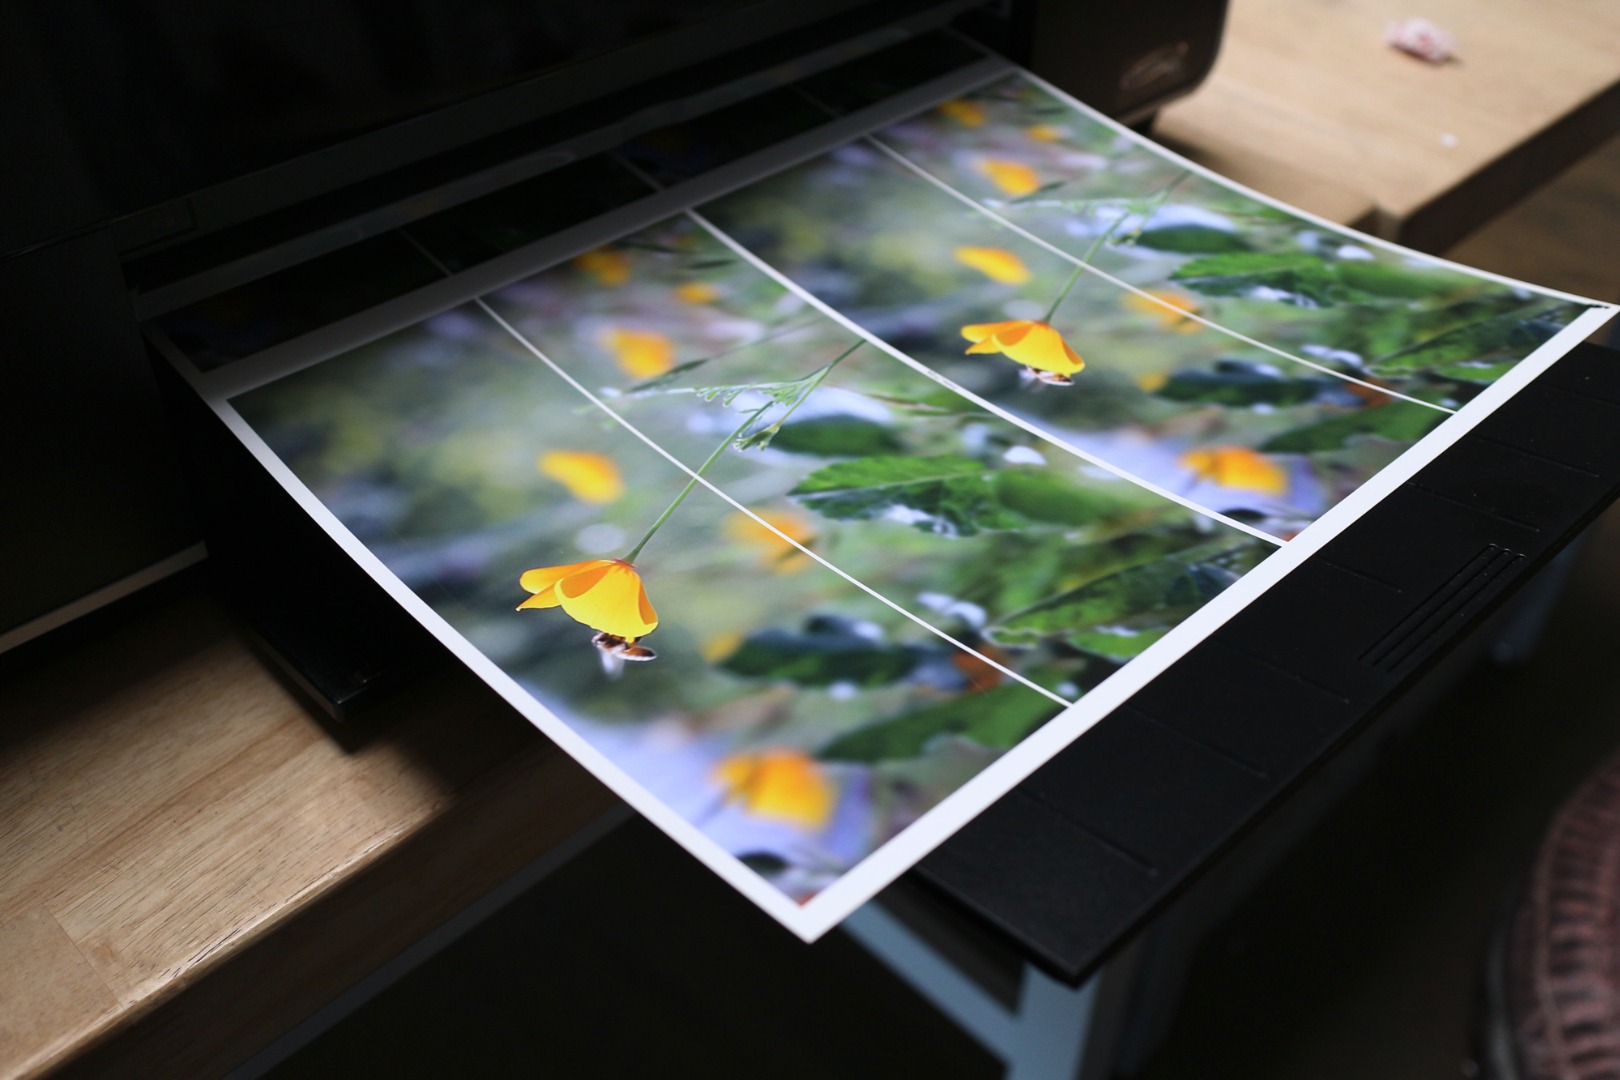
799,719
1392,317
1129,379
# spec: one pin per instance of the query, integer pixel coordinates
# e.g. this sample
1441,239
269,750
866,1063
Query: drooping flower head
642,354
589,477
604,594
997,264
1170,307
1031,343
1237,467
780,785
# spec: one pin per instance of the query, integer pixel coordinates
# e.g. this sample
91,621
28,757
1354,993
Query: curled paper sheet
814,501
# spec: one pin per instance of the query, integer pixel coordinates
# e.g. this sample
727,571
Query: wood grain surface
1439,149
171,819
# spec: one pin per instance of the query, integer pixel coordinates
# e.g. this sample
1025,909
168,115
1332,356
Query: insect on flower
1042,351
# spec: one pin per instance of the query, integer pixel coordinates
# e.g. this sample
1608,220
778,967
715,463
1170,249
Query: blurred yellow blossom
1044,132
966,113
768,539
1153,381
593,478
1171,307
997,264
697,292
780,785
1012,177
716,647
1237,467
604,594
1033,344
643,354
606,265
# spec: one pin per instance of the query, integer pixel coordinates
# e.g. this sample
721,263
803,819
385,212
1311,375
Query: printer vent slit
1462,590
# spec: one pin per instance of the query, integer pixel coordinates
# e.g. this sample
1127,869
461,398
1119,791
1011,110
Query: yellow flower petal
1033,344
697,292
966,113
1153,381
1169,306
593,478
608,266
717,647
1044,132
774,551
1012,177
997,264
604,594
643,354
1237,467
779,785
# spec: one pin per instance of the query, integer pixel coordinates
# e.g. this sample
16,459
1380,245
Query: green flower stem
741,430
1102,238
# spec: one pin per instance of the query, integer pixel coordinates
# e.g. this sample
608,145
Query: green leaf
1155,594
998,718
1042,495
1398,421
1397,282
837,436
1515,334
947,495
1241,386
1193,240
1303,279
820,657
1116,642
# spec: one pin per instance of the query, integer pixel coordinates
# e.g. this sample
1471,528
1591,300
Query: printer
160,151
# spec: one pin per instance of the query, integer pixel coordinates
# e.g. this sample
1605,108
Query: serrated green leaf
1155,594
1298,278
820,658
837,436
1193,240
1398,421
1515,334
1042,495
997,718
947,495
1241,388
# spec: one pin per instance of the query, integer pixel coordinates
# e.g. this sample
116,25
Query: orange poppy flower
1237,467
643,354
781,785
603,594
1034,344
966,113
593,478
779,554
1044,132
1171,307
997,264
697,292
607,266
1012,177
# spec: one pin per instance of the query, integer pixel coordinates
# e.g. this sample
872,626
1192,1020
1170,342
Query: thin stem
1085,261
741,430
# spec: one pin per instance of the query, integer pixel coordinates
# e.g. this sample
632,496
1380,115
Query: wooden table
1438,149
190,864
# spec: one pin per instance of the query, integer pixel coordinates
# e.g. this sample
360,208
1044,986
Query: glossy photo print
814,511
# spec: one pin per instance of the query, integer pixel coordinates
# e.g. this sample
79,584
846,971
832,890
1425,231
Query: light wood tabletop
1439,149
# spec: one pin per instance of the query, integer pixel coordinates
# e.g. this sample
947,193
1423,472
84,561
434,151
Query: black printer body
161,149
